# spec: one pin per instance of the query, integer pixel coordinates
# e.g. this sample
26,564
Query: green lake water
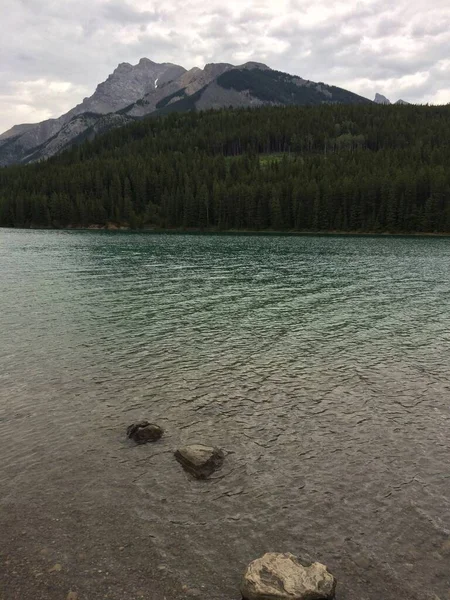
321,365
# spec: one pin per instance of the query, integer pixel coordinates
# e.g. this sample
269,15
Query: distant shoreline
191,230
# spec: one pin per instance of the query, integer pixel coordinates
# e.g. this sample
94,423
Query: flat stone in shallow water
200,461
283,577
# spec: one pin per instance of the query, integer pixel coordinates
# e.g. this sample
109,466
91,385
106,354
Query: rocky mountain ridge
148,88
380,99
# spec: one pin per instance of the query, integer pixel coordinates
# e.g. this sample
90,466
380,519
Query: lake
320,364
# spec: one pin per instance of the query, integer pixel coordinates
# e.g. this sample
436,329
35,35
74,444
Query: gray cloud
123,12
54,53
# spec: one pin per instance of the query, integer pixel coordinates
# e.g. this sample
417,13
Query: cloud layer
54,53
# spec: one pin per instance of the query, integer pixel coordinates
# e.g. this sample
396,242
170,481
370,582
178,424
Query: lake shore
215,231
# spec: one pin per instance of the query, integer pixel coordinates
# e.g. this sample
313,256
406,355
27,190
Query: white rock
283,577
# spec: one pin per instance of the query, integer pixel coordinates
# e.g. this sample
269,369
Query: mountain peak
122,68
380,99
127,84
255,65
146,61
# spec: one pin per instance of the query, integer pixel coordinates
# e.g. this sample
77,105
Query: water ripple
320,364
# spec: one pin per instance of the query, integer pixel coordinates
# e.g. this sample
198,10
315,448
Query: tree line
320,168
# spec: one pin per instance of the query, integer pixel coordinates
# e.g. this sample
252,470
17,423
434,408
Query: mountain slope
15,131
189,84
275,87
251,84
125,85
82,127
132,92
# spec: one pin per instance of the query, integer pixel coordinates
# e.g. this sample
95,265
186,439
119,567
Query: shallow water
320,364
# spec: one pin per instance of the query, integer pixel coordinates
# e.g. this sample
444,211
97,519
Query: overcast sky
53,53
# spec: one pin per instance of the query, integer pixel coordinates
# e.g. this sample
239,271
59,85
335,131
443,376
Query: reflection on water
321,364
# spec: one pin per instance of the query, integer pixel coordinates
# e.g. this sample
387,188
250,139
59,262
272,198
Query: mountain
148,88
187,85
128,83
380,99
248,85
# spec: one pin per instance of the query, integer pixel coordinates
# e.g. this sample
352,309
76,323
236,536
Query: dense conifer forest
361,168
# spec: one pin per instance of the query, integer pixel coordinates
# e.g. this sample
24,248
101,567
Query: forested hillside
319,168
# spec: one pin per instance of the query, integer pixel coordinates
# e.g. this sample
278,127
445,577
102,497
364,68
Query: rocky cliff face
15,131
15,148
249,85
149,88
187,85
124,86
127,84
380,99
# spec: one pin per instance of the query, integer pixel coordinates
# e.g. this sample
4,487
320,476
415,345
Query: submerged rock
283,577
200,461
144,432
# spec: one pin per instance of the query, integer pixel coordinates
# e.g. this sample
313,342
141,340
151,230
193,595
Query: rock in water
200,461
283,577
144,432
